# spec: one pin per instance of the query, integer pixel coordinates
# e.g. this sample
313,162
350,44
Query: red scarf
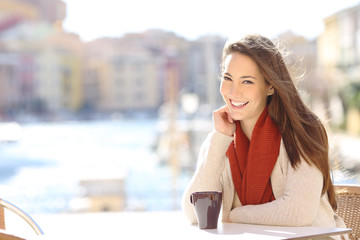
252,162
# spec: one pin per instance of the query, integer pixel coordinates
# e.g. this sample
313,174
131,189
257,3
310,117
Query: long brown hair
303,134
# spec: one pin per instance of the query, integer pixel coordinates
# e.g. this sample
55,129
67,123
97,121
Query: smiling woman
268,152
244,90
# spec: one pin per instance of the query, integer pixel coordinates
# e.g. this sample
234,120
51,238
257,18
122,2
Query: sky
190,19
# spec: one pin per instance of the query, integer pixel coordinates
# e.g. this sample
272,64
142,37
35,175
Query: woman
268,153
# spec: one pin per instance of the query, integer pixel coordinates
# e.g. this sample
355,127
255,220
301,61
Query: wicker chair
6,236
349,207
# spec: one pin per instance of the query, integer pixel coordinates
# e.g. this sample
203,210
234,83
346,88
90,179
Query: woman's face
243,88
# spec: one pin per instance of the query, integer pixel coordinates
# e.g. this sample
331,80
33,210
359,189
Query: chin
236,116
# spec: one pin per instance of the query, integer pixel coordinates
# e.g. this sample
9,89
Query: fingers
229,117
223,121
224,112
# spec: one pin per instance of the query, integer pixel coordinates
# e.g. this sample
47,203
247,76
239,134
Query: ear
270,91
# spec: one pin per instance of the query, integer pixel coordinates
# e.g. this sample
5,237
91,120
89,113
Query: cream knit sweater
297,191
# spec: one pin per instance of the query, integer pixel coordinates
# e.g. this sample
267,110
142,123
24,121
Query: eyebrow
242,77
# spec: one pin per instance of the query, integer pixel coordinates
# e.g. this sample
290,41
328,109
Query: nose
236,90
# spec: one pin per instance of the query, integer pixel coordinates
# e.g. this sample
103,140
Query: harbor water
41,172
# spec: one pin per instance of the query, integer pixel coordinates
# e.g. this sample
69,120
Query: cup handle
191,199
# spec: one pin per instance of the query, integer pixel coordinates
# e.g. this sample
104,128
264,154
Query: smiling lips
238,105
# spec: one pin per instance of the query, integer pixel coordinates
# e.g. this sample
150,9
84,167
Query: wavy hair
303,133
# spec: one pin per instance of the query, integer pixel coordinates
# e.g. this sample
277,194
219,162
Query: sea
41,171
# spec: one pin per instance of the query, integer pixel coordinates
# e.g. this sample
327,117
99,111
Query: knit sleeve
207,176
297,207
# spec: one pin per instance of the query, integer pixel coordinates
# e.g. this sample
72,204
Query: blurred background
104,104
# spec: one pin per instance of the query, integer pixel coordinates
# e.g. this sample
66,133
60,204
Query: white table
162,225
249,231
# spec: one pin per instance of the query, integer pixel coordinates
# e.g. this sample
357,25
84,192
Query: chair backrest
2,218
349,207
19,212
3,234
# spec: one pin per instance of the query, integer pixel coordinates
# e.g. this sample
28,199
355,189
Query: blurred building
41,64
15,66
47,72
204,70
300,55
50,11
59,72
130,74
120,77
339,60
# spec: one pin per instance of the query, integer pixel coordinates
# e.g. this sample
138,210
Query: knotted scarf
252,162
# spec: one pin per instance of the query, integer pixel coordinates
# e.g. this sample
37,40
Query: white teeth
238,104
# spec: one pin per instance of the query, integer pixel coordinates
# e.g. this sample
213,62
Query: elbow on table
299,222
300,218
298,212
281,213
